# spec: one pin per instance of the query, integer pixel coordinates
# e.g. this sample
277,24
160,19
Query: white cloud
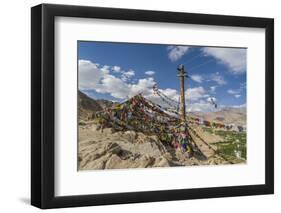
170,93
237,92
243,85
211,99
201,106
213,89
233,92
101,80
116,68
197,99
197,78
218,79
105,69
176,52
89,74
143,86
98,78
129,73
239,106
149,72
195,93
234,58
117,88
114,86
126,75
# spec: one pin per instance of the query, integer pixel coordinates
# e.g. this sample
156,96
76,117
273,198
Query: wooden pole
182,75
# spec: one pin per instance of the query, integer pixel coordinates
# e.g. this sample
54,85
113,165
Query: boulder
130,135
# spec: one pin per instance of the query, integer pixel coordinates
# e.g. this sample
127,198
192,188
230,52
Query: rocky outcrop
130,149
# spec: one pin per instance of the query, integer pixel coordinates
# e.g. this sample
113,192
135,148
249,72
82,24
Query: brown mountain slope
227,115
105,103
87,106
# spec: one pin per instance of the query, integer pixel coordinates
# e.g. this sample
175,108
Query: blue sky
117,71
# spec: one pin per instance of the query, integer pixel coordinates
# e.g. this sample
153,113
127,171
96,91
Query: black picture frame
43,102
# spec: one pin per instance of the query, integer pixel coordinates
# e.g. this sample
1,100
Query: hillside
87,106
227,115
138,133
105,103
107,149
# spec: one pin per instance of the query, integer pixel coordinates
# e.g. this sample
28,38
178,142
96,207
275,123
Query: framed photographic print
139,106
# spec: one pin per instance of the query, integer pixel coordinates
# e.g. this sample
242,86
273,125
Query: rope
162,94
196,134
172,103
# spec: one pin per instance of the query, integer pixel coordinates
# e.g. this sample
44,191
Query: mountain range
228,115
87,106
